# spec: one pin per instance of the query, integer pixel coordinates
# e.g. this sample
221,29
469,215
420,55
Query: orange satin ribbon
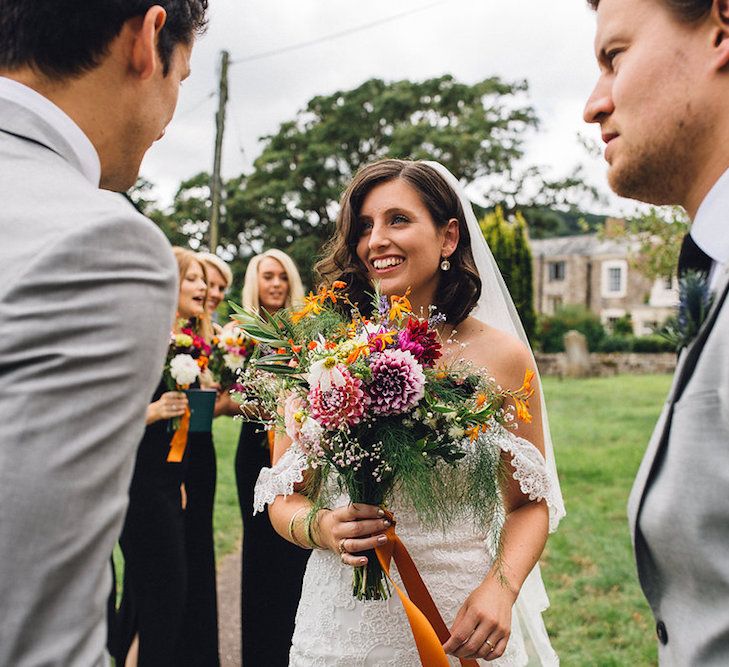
271,440
429,629
179,440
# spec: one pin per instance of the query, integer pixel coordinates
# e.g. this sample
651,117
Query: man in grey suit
661,101
88,289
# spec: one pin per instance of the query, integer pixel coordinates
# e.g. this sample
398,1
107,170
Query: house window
614,278
556,271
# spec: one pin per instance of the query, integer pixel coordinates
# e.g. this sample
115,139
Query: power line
336,35
197,104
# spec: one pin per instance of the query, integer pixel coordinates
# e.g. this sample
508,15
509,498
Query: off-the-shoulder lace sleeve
530,470
279,480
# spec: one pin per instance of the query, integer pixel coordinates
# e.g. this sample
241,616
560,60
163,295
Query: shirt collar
710,226
41,106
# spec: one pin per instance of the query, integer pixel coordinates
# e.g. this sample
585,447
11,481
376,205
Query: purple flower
398,382
383,307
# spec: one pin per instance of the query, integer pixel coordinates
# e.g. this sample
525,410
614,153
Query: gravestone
577,356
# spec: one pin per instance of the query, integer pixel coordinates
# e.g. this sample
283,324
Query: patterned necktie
693,258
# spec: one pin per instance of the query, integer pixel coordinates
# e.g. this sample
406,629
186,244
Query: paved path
229,609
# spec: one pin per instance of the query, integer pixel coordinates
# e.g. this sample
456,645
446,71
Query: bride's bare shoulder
505,356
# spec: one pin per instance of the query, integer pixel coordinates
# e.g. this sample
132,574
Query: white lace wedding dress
333,629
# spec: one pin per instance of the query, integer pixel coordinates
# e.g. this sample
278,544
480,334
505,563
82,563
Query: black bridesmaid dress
199,638
153,544
272,567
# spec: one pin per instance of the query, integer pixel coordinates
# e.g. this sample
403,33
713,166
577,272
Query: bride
409,225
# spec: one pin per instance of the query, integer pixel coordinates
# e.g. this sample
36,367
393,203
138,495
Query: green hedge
616,343
644,344
551,329
653,343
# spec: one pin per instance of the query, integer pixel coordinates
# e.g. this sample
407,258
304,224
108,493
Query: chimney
614,227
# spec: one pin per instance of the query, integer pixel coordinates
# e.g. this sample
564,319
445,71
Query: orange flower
312,345
202,362
400,306
312,306
339,284
381,340
526,388
357,352
522,410
480,400
473,432
295,348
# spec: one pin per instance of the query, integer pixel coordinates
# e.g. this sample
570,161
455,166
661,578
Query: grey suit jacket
87,297
679,506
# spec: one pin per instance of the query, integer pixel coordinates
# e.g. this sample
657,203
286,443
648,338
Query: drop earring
445,265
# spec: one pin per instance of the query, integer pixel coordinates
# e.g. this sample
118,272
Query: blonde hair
185,257
295,296
220,265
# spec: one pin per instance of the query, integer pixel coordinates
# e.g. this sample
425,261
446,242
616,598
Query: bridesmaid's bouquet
373,408
187,358
230,351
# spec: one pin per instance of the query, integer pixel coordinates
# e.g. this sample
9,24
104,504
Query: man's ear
451,238
145,57
720,21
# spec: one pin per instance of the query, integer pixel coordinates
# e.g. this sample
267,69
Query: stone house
596,273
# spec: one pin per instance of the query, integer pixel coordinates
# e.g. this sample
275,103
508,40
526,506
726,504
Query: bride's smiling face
400,244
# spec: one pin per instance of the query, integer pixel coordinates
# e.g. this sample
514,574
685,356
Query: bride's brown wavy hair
459,288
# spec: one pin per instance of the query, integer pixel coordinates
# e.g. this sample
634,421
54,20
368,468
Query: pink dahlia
341,404
398,382
421,341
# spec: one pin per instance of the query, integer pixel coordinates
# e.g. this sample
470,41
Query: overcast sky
547,43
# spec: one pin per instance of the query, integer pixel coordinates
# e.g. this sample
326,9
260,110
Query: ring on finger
490,645
342,550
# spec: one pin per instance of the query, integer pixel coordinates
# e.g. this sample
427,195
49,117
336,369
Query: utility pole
217,184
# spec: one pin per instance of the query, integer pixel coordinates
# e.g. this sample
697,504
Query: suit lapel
684,370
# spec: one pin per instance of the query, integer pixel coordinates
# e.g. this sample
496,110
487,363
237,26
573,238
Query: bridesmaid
272,568
199,637
155,596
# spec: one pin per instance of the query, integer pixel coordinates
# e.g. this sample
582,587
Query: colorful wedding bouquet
373,410
231,349
187,358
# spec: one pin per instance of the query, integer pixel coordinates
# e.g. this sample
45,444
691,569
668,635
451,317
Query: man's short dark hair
687,10
65,38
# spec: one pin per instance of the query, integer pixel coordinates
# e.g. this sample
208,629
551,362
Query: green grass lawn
227,520
600,428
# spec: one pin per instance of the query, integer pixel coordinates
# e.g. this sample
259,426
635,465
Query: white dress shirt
710,229
60,121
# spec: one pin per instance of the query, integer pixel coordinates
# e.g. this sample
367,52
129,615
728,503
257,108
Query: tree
657,236
291,198
508,243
